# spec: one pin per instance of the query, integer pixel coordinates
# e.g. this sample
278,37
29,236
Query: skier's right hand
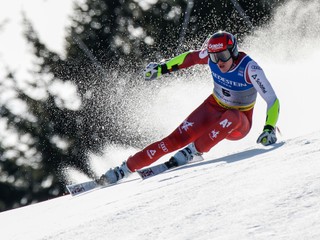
152,71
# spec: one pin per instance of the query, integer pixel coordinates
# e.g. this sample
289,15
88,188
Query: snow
241,191
251,193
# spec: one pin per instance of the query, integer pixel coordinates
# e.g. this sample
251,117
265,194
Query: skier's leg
243,129
196,124
189,130
232,125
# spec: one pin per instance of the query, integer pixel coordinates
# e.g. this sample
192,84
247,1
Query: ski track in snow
257,193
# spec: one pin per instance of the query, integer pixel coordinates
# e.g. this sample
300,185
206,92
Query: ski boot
186,155
114,175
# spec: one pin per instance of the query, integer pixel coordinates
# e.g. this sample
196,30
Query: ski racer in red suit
225,114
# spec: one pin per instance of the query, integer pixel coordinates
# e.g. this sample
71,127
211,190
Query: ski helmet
217,45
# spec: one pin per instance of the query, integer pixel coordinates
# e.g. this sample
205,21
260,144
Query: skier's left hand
268,136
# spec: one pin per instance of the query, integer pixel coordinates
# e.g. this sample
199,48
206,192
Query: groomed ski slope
257,193
242,191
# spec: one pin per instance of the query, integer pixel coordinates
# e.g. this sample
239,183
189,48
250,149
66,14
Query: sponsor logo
146,173
262,87
241,72
217,46
185,126
227,81
203,54
225,123
214,134
255,67
151,153
163,146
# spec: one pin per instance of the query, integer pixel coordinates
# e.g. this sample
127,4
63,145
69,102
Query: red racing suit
225,114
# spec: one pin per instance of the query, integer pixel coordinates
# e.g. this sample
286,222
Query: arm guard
173,64
273,114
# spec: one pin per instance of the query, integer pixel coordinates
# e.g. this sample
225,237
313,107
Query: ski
162,167
79,188
154,170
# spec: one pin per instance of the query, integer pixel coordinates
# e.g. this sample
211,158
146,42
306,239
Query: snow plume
288,49
292,36
151,110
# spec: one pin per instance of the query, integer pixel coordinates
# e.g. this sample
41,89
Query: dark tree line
107,41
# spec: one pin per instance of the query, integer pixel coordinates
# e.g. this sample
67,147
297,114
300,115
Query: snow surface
254,193
241,191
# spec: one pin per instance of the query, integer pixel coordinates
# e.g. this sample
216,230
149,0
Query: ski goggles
223,56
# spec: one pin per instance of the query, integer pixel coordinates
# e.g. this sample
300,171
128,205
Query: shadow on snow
235,157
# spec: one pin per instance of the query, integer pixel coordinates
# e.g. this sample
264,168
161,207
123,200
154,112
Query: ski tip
76,189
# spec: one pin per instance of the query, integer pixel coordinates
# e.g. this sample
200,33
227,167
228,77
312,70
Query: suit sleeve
185,60
257,77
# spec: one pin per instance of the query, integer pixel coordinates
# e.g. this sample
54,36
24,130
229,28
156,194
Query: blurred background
71,80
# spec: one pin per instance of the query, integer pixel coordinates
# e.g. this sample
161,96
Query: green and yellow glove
154,70
268,136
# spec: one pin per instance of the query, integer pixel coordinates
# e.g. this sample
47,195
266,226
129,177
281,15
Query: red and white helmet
221,41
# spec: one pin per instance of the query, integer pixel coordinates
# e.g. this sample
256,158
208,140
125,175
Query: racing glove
268,136
154,70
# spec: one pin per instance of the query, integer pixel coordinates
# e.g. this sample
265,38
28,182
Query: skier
225,114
